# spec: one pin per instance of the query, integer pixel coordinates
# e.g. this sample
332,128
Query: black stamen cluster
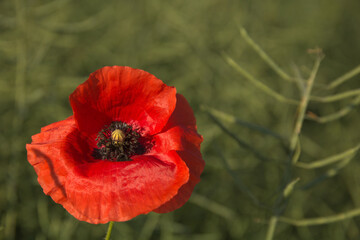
132,144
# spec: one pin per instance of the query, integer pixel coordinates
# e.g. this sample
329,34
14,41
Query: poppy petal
102,191
187,143
183,115
180,134
122,190
177,138
196,165
122,94
40,153
180,131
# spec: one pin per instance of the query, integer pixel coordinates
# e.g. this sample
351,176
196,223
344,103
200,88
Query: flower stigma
119,142
117,137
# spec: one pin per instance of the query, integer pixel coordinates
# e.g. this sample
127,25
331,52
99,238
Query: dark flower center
119,142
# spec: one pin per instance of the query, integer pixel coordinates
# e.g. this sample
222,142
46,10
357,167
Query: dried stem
303,104
294,147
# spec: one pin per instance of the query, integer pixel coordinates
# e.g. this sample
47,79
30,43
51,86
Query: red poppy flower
131,147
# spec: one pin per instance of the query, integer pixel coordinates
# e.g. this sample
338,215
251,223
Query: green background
47,48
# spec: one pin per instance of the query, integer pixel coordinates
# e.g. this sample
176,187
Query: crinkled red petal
102,191
119,191
178,138
45,147
180,135
196,164
122,94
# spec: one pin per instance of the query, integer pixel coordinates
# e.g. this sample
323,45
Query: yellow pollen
117,137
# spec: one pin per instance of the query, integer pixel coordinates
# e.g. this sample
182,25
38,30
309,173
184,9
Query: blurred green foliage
48,47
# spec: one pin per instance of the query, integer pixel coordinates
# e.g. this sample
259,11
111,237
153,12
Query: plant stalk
110,227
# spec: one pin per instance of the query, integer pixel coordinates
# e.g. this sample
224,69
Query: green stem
321,220
110,227
239,141
329,160
336,97
344,77
264,56
342,112
212,206
242,187
271,229
329,173
232,119
297,153
258,83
